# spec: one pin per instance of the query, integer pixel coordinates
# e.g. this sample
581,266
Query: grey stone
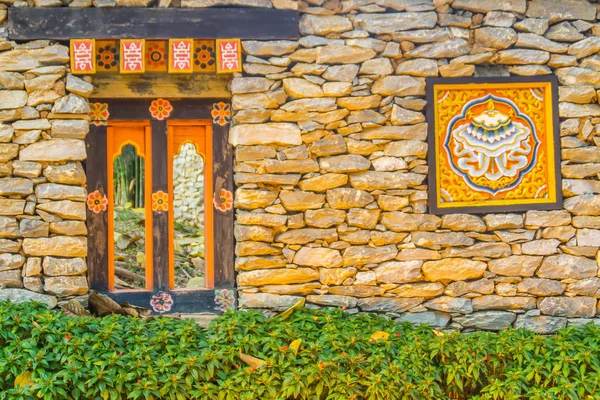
434,319
543,325
487,320
23,296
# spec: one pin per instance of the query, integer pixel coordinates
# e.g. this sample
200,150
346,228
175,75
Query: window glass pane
188,215
129,220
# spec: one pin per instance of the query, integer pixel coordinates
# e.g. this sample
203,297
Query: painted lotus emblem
491,144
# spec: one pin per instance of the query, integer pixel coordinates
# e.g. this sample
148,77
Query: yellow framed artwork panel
493,144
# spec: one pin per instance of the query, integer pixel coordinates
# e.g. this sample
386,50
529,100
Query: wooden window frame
222,249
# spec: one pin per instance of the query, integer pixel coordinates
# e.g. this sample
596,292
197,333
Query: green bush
55,356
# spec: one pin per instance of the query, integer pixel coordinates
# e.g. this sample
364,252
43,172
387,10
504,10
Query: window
159,181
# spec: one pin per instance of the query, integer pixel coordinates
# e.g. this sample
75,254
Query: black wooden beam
152,23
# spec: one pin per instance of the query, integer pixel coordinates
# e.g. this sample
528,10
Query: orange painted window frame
119,136
202,140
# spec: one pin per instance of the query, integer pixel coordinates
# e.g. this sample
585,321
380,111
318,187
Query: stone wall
331,169
43,121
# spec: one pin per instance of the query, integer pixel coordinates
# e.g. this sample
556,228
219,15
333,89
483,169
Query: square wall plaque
493,144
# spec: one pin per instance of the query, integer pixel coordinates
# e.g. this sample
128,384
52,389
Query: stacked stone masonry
43,124
331,171
330,164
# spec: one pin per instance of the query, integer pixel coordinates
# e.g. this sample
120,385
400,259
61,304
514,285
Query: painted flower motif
221,113
224,202
160,201
161,302
160,109
98,113
224,299
97,202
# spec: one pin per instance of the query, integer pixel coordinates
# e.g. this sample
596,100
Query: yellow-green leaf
295,345
379,335
23,380
286,314
252,361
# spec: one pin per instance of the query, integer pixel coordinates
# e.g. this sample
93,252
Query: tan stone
269,48
388,23
68,174
255,233
344,163
347,198
244,249
541,287
342,54
503,221
12,98
325,217
54,266
532,41
491,250
453,269
578,76
392,203
15,186
69,228
399,272
359,102
426,290
323,182
588,237
375,180
494,302
357,291
280,276
250,84
429,239
297,200
335,276
463,222
361,255
399,86
497,38
384,238
8,151
54,150
331,145
318,257
585,287
571,307
399,221
251,199
455,70
586,204
11,279
302,289
481,286
484,6
9,228
265,262
10,261
522,56
253,153
270,133
414,132
581,170
417,254
64,286
58,246
306,235
258,218
422,67
65,209
11,206
515,265
404,148
557,10
566,266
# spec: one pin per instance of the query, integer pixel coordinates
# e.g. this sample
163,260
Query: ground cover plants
324,354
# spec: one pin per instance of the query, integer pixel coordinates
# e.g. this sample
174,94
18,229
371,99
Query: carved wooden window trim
161,147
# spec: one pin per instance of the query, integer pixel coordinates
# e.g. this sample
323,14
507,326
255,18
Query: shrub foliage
244,355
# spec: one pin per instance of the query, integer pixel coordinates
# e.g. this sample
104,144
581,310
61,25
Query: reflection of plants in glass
128,179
